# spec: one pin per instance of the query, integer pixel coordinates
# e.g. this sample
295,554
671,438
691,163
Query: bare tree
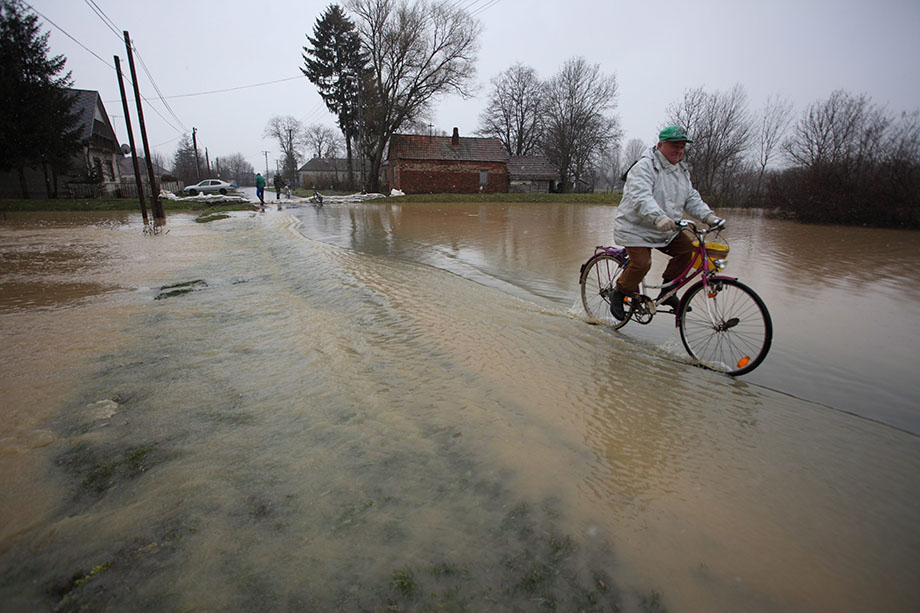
578,126
288,132
235,167
159,159
514,114
845,131
608,168
774,121
853,162
632,152
416,53
321,141
720,126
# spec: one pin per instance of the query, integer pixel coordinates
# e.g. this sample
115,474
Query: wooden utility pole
159,215
207,161
137,170
195,147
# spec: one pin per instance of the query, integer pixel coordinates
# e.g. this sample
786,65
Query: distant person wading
260,187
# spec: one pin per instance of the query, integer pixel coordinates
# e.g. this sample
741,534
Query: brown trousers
640,261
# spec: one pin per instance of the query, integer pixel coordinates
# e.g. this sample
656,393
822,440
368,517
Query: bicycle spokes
725,326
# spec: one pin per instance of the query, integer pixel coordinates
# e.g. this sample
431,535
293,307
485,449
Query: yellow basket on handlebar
714,251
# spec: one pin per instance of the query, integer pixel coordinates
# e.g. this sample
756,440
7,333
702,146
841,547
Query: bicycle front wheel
598,279
726,326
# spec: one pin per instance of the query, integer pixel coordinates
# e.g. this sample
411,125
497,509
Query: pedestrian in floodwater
279,185
260,187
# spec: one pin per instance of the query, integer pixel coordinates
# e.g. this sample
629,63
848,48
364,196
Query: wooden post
137,171
159,215
195,148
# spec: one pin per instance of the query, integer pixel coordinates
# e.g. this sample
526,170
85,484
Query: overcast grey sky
800,49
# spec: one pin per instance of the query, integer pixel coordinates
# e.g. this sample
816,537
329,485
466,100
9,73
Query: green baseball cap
673,133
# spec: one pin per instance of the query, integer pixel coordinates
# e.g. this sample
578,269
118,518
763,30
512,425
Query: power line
105,18
230,89
111,25
156,87
468,6
96,55
484,8
67,34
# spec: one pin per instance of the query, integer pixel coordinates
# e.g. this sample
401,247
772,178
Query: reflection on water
413,422
843,300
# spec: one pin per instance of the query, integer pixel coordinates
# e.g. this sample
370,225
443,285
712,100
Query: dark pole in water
137,171
159,215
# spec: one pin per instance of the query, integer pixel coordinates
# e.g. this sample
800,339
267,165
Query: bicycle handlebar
687,223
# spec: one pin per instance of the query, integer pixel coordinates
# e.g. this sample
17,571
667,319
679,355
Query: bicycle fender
617,252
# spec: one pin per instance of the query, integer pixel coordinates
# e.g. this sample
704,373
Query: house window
483,177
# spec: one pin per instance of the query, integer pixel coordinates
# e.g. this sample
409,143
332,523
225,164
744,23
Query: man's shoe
616,304
672,302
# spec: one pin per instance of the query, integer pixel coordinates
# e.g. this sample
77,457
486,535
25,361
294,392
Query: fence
115,190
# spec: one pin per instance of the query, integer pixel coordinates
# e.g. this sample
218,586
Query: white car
209,186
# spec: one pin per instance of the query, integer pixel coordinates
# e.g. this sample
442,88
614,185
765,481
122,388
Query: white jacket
655,188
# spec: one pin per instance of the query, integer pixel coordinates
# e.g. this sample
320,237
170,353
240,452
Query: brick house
418,164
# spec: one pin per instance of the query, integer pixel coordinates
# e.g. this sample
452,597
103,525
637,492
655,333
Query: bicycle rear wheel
598,280
725,326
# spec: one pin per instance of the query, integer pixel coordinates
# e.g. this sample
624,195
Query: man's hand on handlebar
714,222
715,225
666,224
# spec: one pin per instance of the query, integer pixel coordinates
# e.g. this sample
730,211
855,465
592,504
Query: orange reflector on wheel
744,361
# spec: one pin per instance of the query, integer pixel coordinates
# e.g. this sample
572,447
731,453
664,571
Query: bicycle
724,325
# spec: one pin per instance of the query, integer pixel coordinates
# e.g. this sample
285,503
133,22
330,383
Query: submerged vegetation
177,289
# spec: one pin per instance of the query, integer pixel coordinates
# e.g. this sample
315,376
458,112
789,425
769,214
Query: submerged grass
205,218
178,289
99,469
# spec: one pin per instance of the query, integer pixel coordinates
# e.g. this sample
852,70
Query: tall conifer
38,125
335,64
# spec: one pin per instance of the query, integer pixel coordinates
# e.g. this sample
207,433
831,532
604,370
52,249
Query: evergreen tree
185,164
38,125
336,65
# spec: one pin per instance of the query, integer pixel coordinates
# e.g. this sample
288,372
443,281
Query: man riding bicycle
657,194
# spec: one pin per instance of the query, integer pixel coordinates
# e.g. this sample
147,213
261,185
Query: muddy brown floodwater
375,407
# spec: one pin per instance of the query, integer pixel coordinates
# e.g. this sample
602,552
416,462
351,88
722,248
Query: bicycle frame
706,270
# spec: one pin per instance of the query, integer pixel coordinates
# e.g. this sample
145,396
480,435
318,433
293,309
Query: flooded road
376,407
843,300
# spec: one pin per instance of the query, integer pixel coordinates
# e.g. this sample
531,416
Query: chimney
455,139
